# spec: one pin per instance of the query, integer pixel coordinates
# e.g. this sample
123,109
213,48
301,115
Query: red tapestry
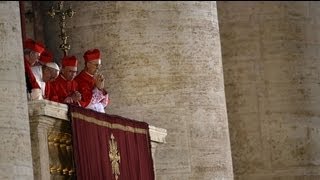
110,147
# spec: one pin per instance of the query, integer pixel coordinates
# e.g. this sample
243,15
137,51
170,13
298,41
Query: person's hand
99,81
76,96
36,94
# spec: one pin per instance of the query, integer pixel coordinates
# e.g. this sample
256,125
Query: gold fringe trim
109,125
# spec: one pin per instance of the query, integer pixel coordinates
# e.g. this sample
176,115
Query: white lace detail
98,100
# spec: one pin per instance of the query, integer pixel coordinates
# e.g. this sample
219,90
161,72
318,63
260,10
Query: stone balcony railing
51,140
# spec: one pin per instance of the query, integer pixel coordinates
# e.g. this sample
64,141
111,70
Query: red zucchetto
69,61
91,55
46,57
34,46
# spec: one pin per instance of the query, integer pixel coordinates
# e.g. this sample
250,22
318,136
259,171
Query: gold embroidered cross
114,156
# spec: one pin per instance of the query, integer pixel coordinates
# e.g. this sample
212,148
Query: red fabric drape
92,133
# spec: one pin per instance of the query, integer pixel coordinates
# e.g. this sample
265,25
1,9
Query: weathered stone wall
162,61
15,148
29,19
271,66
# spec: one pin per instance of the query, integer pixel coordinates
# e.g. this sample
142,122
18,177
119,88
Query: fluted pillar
162,62
15,148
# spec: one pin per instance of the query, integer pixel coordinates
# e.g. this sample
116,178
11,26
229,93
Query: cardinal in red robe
91,83
32,51
64,89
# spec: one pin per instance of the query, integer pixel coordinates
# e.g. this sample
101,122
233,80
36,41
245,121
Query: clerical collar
88,73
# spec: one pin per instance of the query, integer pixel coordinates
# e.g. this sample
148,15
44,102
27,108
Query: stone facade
15,148
162,62
163,65
270,53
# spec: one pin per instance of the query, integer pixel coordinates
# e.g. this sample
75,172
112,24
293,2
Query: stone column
162,62
271,64
15,148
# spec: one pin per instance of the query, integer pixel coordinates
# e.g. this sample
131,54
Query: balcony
51,140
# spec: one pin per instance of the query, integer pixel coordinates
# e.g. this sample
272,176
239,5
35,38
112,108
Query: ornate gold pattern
62,17
114,156
109,125
60,154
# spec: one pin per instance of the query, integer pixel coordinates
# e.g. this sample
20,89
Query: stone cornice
59,111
